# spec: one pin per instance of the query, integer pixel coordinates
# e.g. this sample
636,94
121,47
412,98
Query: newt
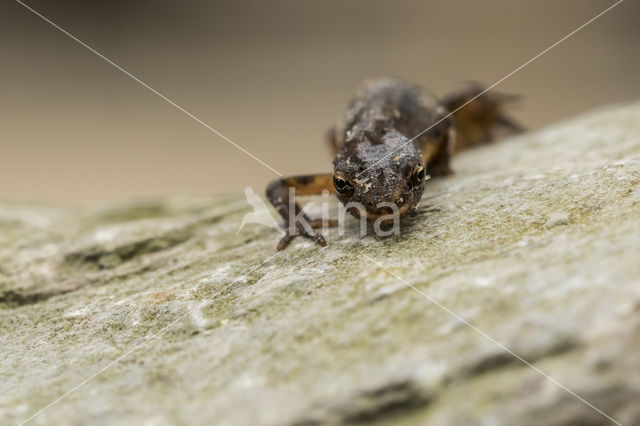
393,136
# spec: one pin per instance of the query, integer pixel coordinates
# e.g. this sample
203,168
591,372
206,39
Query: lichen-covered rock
158,313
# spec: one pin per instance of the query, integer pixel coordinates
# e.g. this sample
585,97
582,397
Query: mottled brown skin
382,153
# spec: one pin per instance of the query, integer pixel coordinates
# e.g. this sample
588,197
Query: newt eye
342,186
418,175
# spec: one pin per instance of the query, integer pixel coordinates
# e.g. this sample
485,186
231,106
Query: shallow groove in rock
15,299
374,405
99,257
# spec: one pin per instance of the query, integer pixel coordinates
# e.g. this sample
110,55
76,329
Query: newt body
382,154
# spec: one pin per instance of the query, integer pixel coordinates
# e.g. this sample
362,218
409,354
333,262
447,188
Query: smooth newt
382,153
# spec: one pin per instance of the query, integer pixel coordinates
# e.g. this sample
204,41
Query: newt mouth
379,212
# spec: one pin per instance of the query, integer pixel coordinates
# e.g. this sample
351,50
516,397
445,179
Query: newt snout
391,187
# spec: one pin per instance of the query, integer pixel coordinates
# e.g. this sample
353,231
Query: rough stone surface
535,242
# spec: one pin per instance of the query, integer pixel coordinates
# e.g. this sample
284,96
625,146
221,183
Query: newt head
379,178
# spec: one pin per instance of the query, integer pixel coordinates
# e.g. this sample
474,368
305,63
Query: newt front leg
296,222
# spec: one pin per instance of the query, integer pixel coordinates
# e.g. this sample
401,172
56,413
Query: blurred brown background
271,76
